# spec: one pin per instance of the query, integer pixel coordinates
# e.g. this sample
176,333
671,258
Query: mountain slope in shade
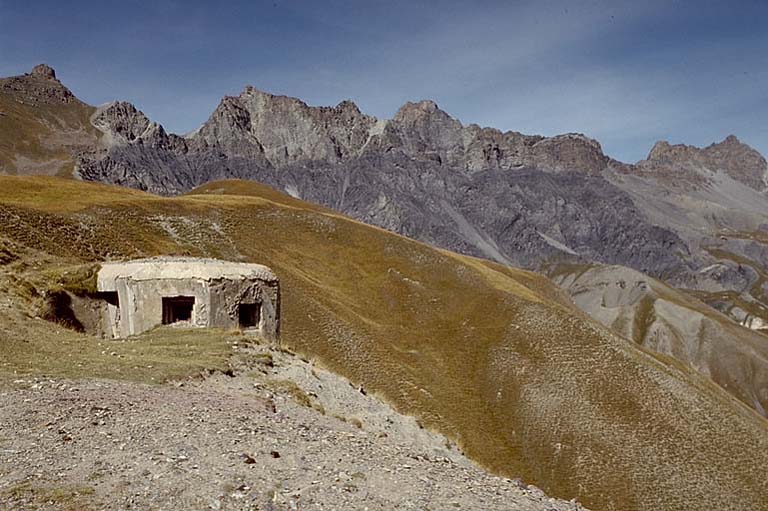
495,358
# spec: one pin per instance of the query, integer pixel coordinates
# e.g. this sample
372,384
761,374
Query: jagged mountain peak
575,137
44,71
125,123
737,159
729,143
39,86
661,149
424,105
251,93
347,105
277,130
740,161
423,109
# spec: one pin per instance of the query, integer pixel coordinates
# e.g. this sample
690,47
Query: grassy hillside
491,356
42,138
673,322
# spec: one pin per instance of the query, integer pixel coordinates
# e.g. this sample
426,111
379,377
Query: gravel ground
277,438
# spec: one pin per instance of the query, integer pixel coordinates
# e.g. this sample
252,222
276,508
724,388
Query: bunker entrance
110,297
250,314
177,308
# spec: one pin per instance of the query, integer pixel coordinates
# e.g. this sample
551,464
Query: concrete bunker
141,294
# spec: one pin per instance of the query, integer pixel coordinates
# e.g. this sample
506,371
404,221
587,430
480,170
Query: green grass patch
65,498
154,357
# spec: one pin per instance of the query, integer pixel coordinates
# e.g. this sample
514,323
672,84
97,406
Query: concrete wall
216,304
218,287
226,295
141,302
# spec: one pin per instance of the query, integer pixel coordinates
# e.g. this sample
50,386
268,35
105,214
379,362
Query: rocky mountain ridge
281,130
278,130
735,158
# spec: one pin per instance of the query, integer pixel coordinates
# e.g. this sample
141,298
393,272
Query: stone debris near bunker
141,294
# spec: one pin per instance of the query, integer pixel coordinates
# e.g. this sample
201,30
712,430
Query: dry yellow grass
44,136
492,357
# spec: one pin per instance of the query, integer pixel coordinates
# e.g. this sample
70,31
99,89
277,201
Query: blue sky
625,73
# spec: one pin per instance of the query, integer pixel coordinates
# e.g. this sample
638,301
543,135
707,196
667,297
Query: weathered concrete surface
218,288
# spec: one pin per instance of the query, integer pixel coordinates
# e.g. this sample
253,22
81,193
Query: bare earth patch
229,443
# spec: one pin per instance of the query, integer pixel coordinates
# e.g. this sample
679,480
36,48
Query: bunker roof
196,268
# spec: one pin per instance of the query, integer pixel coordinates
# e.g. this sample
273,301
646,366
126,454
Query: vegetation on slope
490,356
673,322
42,137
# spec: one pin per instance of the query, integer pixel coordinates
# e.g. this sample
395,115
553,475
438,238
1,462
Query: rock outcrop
39,87
124,125
44,71
738,160
278,130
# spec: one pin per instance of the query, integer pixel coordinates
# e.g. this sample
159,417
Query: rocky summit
40,86
737,160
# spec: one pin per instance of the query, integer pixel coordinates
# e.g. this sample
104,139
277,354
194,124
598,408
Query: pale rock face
125,124
490,148
284,130
423,131
229,130
572,151
740,161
